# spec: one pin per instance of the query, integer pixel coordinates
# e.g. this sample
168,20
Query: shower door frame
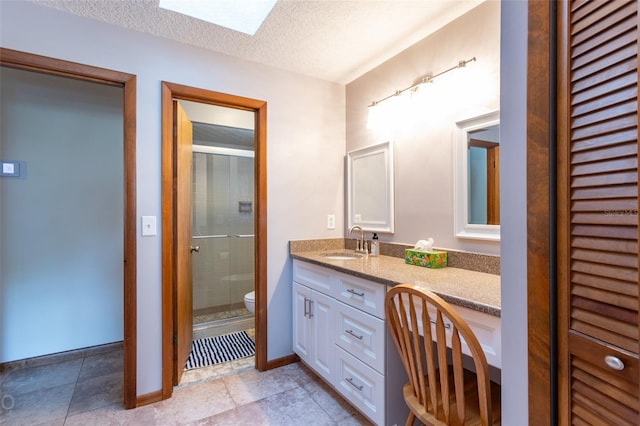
171,92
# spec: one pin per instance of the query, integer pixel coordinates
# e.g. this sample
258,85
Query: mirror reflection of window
483,176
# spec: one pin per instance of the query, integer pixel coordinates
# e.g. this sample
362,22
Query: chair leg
410,419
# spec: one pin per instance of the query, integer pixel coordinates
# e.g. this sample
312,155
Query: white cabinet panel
302,330
360,334
315,277
322,316
362,294
361,385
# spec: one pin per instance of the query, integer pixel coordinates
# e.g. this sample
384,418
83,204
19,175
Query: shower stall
223,229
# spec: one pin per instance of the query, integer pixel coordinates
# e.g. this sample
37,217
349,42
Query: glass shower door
223,228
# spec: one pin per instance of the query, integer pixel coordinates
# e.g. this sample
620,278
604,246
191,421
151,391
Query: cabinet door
598,212
322,312
302,324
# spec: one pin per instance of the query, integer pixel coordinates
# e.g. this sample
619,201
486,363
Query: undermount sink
342,256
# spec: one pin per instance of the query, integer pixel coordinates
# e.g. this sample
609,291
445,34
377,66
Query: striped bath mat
214,350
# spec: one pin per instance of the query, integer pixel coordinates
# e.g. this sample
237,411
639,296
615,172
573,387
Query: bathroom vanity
340,331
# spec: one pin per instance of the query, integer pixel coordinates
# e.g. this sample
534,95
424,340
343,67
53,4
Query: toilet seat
250,297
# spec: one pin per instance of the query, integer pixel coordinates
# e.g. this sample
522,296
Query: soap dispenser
375,245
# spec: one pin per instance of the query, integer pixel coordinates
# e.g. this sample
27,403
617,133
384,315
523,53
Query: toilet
250,301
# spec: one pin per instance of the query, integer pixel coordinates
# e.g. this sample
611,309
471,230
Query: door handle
196,249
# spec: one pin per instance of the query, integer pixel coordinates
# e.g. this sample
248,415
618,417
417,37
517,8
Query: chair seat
471,402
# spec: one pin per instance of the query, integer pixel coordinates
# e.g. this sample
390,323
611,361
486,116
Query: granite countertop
471,289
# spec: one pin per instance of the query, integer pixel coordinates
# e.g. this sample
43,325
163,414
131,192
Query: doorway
176,171
50,66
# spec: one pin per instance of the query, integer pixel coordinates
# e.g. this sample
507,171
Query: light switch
10,169
148,226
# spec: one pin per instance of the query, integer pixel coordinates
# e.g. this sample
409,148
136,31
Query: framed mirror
370,197
477,177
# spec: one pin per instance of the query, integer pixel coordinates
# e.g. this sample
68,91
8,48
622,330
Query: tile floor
88,391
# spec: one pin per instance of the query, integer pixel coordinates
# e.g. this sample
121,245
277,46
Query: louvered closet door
598,212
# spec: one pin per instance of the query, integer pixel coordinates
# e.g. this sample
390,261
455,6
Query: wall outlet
331,221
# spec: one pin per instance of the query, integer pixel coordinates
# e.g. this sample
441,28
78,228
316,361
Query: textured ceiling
334,40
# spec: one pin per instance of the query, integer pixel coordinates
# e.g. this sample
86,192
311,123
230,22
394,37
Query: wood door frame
171,92
541,214
51,66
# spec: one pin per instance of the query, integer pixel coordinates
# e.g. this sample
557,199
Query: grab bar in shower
199,237
245,235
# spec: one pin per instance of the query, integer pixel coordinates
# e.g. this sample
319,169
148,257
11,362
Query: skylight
240,15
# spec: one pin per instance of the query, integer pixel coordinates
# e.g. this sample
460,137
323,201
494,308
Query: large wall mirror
477,177
370,202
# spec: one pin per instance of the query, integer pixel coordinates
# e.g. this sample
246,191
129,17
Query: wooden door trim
171,91
539,212
46,65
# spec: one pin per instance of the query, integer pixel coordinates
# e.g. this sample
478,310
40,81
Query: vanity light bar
424,80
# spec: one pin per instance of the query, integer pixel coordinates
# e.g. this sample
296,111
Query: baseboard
280,362
59,357
149,398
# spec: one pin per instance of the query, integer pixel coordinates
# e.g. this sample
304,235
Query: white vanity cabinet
312,325
339,331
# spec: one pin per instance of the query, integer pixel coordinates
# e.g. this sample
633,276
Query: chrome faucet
361,246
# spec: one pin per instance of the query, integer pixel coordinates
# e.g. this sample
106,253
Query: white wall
305,124
62,223
424,135
513,167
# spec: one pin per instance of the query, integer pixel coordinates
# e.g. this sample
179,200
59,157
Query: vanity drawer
486,327
315,277
362,294
361,385
361,335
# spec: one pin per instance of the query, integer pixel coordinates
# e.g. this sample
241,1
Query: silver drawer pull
353,334
305,307
350,381
614,362
355,293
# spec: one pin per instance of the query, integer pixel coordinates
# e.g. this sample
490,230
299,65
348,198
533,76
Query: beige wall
305,123
423,137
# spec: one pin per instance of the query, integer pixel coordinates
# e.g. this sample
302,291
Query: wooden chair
469,398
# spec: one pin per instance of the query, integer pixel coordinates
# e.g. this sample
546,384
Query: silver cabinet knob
196,249
614,362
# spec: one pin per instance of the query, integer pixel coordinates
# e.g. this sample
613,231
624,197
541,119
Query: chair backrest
413,311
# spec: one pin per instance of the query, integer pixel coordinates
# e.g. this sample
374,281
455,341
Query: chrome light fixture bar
426,79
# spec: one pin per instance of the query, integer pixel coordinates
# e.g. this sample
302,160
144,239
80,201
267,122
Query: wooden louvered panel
602,206
616,178
598,165
628,135
622,300
591,18
612,219
608,284
620,76
606,244
624,260
625,26
594,114
602,270
625,233
600,395
590,105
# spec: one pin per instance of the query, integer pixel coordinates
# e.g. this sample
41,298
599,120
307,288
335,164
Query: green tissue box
427,259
